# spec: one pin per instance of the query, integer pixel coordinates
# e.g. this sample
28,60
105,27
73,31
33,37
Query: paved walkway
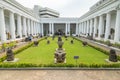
59,74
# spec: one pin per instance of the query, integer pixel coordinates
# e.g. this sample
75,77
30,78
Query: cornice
97,9
19,6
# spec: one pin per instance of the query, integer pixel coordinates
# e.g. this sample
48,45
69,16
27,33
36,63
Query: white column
12,26
82,28
19,26
100,26
34,27
66,29
42,29
69,28
2,25
37,28
117,27
28,22
52,28
76,28
31,30
95,27
108,22
24,27
34,32
91,27
88,27
85,29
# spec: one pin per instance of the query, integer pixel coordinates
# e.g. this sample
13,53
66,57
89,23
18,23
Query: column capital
1,7
118,7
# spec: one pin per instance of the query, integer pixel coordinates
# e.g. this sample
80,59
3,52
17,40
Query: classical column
28,24
31,30
52,28
34,32
12,25
79,28
85,29
108,22
34,28
66,29
2,25
95,27
82,28
88,27
91,27
19,26
76,28
37,28
42,29
100,26
117,27
24,27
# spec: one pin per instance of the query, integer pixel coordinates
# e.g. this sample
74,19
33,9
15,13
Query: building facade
102,21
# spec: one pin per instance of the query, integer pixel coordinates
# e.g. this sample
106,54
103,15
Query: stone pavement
59,74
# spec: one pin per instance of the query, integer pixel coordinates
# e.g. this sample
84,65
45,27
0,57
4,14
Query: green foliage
116,45
43,56
19,50
4,45
12,44
65,66
99,49
108,43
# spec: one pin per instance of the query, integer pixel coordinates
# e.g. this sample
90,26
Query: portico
16,24
104,23
66,26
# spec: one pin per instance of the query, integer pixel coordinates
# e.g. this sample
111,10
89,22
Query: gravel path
59,74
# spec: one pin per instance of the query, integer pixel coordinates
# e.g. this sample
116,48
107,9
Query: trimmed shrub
20,50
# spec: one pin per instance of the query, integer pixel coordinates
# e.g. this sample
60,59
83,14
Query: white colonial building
102,21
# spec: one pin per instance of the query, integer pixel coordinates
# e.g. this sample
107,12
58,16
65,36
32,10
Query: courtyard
44,53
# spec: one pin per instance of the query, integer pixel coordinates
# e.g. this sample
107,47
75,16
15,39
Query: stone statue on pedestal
60,55
113,56
10,55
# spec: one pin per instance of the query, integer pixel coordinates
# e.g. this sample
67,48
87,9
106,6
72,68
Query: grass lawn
44,53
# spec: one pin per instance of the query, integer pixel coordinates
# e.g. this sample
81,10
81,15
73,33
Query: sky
66,8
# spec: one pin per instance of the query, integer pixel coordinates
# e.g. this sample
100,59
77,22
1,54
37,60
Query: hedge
97,48
81,65
20,49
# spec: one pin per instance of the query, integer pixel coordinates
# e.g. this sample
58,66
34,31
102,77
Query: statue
113,56
72,41
36,43
60,52
59,38
84,43
10,55
48,41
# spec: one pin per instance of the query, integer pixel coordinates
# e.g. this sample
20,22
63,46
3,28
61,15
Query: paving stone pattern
59,74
